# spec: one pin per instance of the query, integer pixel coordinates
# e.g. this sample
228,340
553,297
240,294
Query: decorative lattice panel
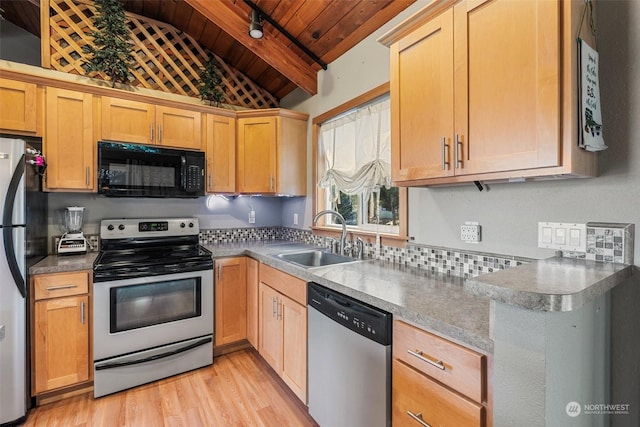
165,58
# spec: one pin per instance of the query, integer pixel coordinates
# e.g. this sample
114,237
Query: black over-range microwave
135,170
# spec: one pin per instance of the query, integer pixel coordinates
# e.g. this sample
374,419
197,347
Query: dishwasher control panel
360,317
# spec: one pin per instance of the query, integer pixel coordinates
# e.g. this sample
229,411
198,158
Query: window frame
319,196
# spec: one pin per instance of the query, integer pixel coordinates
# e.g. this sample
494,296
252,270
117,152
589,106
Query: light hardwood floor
239,389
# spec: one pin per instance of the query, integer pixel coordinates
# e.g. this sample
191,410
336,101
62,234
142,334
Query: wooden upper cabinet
507,85
139,122
177,127
271,156
128,121
422,108
477,92
69,142
257,154
18,106
220,147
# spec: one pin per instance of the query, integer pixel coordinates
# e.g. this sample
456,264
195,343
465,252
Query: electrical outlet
562,236
470,232
252,216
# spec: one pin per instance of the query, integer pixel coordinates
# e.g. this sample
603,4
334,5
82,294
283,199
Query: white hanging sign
590,137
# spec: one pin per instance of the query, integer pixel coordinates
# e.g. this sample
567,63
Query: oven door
138,314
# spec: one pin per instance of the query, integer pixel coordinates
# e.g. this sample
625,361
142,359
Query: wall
509,213
18,45
212,211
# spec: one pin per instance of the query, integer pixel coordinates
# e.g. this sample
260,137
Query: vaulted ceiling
328,28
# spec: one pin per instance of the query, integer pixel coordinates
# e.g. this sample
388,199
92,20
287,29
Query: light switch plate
562,236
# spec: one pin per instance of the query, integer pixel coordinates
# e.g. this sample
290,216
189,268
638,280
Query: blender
73,241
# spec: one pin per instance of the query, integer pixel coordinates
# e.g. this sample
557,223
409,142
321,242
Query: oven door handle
111,365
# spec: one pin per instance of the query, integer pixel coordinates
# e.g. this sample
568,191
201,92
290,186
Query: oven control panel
132,228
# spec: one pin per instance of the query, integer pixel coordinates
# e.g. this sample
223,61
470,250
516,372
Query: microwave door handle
183,172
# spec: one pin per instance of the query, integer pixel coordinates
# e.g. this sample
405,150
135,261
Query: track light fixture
255,26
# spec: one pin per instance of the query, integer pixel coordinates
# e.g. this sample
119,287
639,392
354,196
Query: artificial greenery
111,49
209,84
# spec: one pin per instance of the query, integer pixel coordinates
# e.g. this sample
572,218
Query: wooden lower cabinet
230,300
437,382
283,329
418,397
61,351
252,301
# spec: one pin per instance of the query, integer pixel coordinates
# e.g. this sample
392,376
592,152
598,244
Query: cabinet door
221,154
18,106
294,346
61,342
252,301
270,344
507,80
179,128
231,300
257,138
128,121
418,399
69,145
422,105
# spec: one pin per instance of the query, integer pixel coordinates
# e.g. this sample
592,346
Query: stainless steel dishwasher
349,355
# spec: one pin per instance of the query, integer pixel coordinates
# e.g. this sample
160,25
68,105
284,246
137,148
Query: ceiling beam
229,17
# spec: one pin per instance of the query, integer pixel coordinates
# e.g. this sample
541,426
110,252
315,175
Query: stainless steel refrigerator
24,242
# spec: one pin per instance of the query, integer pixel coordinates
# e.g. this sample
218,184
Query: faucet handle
359,248
331,243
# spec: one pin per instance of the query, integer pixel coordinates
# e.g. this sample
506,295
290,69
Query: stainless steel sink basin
315,258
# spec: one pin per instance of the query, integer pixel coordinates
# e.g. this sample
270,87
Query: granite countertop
62,263
433,301
456,308
554,284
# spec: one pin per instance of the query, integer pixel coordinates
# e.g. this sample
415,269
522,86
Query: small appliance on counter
73,241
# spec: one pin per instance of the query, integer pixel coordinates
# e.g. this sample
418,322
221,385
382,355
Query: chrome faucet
343,236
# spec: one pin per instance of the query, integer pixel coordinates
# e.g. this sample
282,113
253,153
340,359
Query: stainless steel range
152,302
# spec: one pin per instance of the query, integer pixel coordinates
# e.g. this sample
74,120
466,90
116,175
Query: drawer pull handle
418,417
420,355
57,288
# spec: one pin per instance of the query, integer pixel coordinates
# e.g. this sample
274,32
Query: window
353,171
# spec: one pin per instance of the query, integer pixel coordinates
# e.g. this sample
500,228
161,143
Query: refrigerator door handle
7,234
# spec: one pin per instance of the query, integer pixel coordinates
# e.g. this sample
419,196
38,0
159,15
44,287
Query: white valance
357,151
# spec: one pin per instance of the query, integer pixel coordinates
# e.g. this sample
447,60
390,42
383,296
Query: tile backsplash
606,242
436,259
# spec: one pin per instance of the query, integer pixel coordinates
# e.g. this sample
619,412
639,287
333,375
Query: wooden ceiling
328,28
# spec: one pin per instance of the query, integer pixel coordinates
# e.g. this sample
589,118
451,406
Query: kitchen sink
315,258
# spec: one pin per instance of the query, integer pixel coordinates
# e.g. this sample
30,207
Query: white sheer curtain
357,151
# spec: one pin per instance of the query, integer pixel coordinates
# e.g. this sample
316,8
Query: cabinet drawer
453,365
286,284
417,401
61,285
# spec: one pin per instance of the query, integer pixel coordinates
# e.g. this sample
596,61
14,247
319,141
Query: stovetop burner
139,248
